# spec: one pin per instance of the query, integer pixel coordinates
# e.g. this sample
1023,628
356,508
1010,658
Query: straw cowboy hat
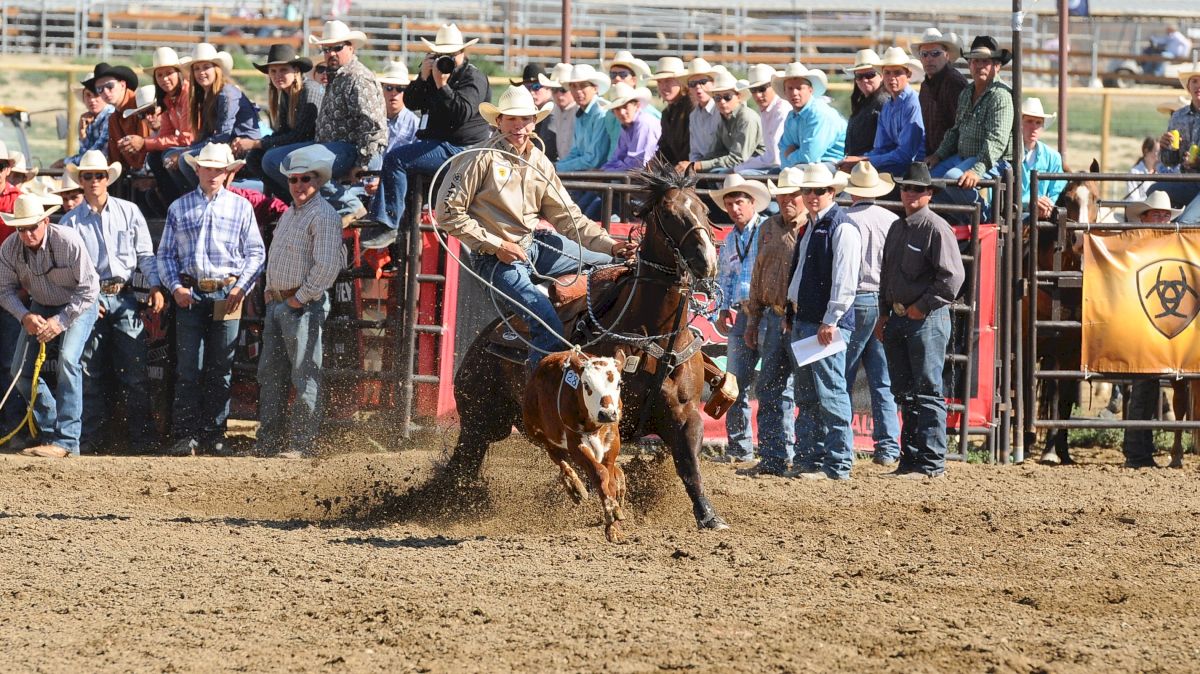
336,32
986,47
622,94
19,166
514,102
215,155
864,59
866,181
624,57
669,68
817,78
1032,107
28,210
449,40
126,75
309,159
558,74
206,53
789,181
164,57
819,175
67,184
723,81
1188,72
396,72
284,55
1169,109
43,187
735,183
760,75
94,160
896,56
698,67
585,73
950,42
144,98
1155,201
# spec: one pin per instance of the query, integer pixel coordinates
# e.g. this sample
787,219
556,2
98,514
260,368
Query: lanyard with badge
743,252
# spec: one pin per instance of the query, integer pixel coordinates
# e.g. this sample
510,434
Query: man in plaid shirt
210,254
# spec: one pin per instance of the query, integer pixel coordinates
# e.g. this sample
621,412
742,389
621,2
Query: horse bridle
681,270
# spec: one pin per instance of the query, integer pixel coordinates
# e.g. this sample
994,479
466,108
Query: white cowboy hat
864,180
67,184
736,183
817,78
624,57
215,155
669,67
896,56
819,175
514,102
1188,73
723,81
144,98
1032,106
94,160
1169,109
789,181
622,93
698,67
28,210
164,57
206,53
560,72
449,40
949,41
586,73
760,74
309,159
19,165
1157,200
43,187
335,32
396,72
864,59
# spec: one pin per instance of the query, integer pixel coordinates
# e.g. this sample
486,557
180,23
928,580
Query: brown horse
644,314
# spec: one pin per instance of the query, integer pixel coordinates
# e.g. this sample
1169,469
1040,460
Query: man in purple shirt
640,131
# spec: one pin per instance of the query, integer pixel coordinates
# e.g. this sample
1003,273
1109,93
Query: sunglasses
533,86
868,75
915,189
93,175
895,72
931,53
558,90
306,179
806,191
107,86
321,70
334,49
760,90
26,228
394,88
619,74
726,97
696,84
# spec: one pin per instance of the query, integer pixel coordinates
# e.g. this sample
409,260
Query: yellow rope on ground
37,371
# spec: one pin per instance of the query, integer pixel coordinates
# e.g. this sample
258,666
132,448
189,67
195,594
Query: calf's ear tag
571,378
631,364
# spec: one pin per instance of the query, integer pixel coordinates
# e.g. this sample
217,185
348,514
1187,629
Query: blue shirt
736,263
116,238
592,145
402,129
210,238
1042,159
900,134
817,131
95,138
234,116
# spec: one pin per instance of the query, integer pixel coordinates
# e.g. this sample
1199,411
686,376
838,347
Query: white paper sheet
809,350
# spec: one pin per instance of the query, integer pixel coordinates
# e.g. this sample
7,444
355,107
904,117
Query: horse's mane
660,177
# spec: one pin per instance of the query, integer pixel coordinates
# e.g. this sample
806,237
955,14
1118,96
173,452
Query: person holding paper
210,254
921,274
824,281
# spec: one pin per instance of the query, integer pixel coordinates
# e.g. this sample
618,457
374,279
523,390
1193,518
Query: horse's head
1081,198
677,226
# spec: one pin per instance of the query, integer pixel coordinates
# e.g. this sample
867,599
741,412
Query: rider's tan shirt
489,198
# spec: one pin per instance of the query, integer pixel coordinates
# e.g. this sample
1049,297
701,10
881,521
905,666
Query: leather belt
112,286
779,309
280,295
206,285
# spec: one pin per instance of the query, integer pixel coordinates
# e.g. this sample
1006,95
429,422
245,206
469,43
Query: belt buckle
207,285
899,309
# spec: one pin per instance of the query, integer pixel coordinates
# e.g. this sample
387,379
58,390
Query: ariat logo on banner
1168,290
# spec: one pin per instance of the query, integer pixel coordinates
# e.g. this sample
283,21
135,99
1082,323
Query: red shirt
8,198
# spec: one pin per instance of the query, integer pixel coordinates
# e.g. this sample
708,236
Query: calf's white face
600,384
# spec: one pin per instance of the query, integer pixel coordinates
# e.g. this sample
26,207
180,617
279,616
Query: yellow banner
1141,295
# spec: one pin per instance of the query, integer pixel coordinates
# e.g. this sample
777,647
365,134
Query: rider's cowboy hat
206,53
949,42
586,73
556,79
669,68
896,56
760,75
94,160
126,75
336,32
1157,200
395,73
735,183
164,57
817,78
864,59
284,55
986,47
698,67
144,99
864,180
215,155
623,93
789,181
449,40
309,159
819,175
28,210
917,174
1032,107
514,102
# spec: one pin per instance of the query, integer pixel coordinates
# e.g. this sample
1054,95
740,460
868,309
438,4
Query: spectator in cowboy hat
561,122
920,276
304,261
637,144
624,68
210,254
293,106
1039,157
173,92
51,264
93,125
814,131
671,78
591,144
531,79
20,173
865,184
942,86
8,191
448,91
773,111
69,191
117,85
739,135
900,136
118,241
1185,120
704,119
866,101
743,201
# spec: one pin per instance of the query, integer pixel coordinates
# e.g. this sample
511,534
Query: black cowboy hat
528,76
917,174
986,47
102,69
284,54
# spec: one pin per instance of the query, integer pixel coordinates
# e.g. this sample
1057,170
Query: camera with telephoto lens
444,64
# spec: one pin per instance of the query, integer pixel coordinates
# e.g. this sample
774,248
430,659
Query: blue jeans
204,349
10,332
824,437
117,345
183,174
274,182
953,168
776,408
421,156
740,361
865,349
1183,195
547,256
291,356
57,414
916,355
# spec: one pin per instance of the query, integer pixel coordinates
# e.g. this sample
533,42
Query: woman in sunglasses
172,92
866,102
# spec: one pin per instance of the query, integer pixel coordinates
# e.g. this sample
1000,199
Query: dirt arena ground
356,564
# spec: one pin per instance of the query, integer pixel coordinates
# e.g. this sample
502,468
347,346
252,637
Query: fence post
1105,130
505,53
206,24
4,26
72,115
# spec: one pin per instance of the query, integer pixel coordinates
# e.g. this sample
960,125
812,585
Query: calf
572,408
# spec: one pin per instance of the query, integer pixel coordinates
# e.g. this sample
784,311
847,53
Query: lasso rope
37,371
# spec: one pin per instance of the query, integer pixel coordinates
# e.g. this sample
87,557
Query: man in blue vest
824,281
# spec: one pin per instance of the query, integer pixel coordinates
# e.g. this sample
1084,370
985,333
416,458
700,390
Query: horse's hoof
614,534
1066,460
1050,458
713,522
1175,463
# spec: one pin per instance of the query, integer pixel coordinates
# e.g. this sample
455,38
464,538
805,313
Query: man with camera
448,92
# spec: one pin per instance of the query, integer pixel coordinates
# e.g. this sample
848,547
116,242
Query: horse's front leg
686,438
